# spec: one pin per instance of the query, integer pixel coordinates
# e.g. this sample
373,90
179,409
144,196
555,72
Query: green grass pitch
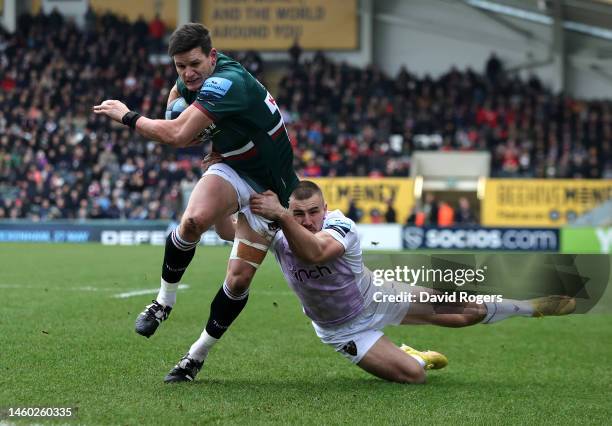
66,342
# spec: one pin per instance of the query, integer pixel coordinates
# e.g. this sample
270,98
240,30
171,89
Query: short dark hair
305,190
190,36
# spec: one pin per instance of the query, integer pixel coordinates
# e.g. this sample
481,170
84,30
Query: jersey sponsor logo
215,88
312,274
350,348
341,226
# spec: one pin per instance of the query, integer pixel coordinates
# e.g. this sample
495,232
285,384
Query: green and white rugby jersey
247,130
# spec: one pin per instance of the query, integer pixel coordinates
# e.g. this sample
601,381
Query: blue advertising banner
105,232
513,239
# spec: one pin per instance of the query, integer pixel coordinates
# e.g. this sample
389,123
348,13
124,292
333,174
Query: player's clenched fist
267,205
112,108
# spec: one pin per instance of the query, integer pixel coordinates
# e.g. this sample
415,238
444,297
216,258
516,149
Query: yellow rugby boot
553,306
433,360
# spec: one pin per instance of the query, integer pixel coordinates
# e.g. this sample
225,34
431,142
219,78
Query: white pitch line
145,291
43,287
128,293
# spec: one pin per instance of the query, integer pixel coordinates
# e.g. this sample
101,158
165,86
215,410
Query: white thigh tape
260,247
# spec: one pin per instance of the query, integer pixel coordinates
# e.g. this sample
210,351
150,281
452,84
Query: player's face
309,213
194,67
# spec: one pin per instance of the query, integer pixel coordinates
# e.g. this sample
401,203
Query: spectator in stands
142,30
430,209
253,63
493,69
446,215
412,216
91,19
295,52
354,213
464,214
390,215
56,20
375,216
157,32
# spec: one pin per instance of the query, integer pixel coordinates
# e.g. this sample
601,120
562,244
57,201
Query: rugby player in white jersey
320,256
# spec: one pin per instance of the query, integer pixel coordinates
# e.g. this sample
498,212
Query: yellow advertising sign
276,24
541,202
167,9
368,194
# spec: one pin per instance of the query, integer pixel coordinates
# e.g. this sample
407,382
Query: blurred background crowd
58,160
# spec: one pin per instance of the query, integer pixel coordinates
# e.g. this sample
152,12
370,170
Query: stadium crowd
349,121
58,160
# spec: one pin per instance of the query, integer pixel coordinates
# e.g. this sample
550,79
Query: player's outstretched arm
311,248
179,133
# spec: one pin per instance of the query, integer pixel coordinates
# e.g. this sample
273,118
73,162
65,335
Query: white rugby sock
497,311
418,359
199,350
167,293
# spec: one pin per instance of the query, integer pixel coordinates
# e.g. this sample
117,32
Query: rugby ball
175,108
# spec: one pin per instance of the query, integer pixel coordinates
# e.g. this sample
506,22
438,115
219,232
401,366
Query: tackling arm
312,248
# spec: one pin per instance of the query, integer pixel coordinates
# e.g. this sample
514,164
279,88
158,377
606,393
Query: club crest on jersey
215,88
350,348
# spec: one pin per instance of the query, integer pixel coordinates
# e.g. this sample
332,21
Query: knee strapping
249,252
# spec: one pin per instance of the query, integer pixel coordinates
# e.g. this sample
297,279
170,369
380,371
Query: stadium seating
376,122
57,160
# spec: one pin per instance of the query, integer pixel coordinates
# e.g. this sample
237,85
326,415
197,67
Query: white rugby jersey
334,292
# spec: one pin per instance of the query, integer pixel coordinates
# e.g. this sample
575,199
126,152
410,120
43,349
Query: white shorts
262,226
355,338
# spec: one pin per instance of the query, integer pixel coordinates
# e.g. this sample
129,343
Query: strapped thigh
249,252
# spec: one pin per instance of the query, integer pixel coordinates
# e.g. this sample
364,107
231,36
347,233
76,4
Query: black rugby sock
177,256
224,309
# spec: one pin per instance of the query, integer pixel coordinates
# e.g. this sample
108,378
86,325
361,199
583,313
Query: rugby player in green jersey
242,119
